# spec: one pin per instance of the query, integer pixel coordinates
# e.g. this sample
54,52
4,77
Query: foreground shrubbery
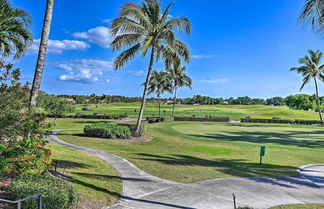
107,130
57,193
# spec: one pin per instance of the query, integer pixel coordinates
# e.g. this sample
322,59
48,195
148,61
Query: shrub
132,128
57,193
26,156
153,120
107,130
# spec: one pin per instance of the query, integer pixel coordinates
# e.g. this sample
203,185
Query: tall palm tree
312,69
42,52
179,79
143,28
313,12
160,83
14,34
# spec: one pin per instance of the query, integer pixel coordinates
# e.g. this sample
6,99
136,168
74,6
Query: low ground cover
189,152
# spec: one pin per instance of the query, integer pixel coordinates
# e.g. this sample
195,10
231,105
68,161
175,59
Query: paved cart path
142,190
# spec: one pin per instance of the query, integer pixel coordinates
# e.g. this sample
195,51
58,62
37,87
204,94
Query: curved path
141,190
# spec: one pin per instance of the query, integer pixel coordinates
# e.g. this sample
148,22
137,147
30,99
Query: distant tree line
296,102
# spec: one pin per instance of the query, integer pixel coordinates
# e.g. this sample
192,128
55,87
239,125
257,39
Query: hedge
157,119
282,121
132,128
57,193
107,130
210,119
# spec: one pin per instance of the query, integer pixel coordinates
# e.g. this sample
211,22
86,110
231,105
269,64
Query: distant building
71,101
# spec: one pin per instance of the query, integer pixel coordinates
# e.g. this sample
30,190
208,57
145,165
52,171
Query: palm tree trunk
318,101
174,100
159,108
148,77
42,53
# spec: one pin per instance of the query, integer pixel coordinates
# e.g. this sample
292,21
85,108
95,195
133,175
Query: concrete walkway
141,190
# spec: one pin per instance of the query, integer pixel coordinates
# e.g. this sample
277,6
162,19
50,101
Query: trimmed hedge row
115,117
107,130
156,119
283,121
209,119
57,193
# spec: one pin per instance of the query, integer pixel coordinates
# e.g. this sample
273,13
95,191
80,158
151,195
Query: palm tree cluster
146,29
312,69
168,81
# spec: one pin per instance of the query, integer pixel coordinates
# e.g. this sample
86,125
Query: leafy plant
57,193
107,130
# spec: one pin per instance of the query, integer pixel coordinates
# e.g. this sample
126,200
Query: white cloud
99,35
202,56
137,73
83,70
215,81
59,46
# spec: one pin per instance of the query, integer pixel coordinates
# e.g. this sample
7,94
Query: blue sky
239,48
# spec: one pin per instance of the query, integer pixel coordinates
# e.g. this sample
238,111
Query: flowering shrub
22,130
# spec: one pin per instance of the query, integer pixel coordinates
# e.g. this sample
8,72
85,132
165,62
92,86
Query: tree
159,84
177,74
14,34
42,53
57,107
311,68
145,28
313,13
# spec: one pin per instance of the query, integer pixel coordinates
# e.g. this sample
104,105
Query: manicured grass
233,111
97,183
189,152
300,206
71,123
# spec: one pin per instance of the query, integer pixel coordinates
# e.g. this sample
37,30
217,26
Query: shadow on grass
68,164
108,177
288,138
285,176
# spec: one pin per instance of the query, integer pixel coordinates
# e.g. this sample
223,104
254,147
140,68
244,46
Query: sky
238,48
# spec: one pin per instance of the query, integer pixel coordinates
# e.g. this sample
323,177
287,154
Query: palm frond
305,81
180,24
126,56
125,40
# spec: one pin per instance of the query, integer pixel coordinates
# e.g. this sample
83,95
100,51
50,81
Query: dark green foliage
132,128
107,130
153,120
57,193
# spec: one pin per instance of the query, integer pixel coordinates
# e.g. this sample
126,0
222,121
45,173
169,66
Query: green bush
57,193
107,130
132,128
153,120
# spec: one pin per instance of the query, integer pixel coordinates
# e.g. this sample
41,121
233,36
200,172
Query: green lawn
189,152
233,111
300,206
97,182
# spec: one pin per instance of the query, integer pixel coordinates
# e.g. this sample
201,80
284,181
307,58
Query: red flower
49,152
38,144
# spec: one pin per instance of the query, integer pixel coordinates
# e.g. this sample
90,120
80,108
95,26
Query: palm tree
145,28
14,34
159,84
42,52
179,79
312,69
313,12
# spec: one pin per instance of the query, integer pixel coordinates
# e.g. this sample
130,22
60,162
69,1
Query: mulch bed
132,139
